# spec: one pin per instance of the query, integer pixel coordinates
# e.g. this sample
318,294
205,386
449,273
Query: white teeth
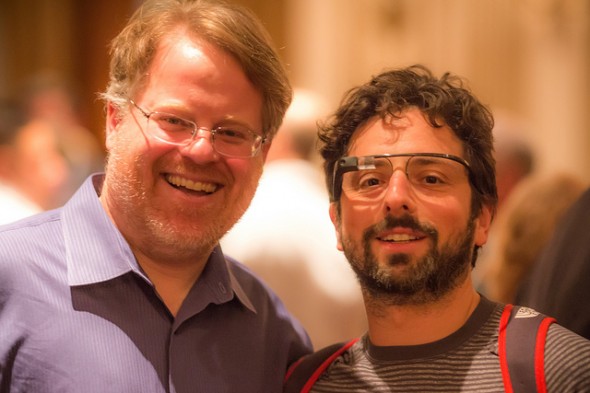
400,237
191,185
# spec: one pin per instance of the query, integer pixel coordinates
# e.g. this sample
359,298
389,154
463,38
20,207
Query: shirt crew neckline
396,353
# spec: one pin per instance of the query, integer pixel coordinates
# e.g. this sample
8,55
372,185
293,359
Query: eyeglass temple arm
343,165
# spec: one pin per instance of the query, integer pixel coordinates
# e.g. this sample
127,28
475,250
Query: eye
428,178
233,134
431,172
432,179
370,180
171,123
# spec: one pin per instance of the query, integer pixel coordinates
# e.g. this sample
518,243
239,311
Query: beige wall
69,37
526,58
529,59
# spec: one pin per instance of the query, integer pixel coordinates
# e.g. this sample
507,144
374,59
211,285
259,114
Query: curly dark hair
444,101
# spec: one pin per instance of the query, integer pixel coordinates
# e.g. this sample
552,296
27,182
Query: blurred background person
559,284
49,101
524,226
14,202
515,159
515,162
287,238
33,164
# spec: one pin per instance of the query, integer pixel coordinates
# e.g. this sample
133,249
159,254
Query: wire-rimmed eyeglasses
367,178
232,141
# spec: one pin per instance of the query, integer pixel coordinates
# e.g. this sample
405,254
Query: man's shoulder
30,230
567,360
267,305
559,335
34,220
32,264
29,239
565,355
308,368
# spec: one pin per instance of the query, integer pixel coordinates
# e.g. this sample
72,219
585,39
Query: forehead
191,62
197,76
409,132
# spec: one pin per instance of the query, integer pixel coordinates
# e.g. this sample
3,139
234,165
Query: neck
172,281
421,324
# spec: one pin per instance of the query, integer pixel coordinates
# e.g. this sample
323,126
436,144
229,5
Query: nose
399,195
200,146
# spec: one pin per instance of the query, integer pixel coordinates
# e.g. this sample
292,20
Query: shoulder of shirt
567,360
31,222
21,242
558,335
23,237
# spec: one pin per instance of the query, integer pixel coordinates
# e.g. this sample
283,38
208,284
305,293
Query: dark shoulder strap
521,347
302,374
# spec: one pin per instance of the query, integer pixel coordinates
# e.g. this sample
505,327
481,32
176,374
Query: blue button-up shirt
77,314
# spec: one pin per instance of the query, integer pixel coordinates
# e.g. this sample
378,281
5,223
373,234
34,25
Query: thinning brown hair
230,27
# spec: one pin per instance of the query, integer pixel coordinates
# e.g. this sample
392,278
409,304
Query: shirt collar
217,284
96,251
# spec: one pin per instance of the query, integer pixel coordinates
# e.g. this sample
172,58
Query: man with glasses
409,167
125,288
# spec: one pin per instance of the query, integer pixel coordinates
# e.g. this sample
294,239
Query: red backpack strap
521,347
303,374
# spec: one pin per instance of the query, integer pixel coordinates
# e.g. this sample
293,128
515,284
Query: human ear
113,120
482,225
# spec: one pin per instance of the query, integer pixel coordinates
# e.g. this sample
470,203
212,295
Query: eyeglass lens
234,141
427,175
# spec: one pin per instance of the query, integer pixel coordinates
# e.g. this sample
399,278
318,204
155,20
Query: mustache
406,221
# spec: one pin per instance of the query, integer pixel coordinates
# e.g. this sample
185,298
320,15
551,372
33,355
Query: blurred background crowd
528,60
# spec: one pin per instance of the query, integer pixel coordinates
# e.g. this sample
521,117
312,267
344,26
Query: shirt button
222,288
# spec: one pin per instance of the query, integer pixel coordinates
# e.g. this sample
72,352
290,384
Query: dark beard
424,280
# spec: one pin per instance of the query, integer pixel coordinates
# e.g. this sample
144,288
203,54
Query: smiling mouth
399,238
182,183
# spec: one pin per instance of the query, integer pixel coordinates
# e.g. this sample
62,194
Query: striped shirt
465,361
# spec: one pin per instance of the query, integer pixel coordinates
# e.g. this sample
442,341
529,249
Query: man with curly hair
409,166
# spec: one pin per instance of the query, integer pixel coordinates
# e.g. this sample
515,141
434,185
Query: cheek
129,144
246,175
354,219
239,194
448,215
